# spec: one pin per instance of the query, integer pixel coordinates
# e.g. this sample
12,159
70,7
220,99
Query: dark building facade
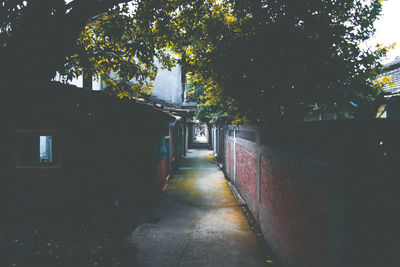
71,147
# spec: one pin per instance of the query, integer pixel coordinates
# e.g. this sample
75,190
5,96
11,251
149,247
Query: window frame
42,132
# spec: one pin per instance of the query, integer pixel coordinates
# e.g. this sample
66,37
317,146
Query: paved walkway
197,221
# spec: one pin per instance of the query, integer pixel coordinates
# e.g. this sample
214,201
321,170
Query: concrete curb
236,194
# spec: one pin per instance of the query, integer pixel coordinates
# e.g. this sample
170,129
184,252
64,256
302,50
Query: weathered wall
294,213
287,195
231,161
324,193
106,166
108,152
161,174
227,159
246,176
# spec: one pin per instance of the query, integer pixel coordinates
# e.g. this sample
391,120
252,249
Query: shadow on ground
86,236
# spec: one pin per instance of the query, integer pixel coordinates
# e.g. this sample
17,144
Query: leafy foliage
121,47
271,60
209,103
110,39
36,36
280,59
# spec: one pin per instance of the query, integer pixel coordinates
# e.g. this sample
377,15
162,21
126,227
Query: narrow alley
139,133
196,222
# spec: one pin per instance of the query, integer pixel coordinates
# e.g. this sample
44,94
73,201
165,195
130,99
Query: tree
40,37
281,59
271,60
36,36
120,47
203,94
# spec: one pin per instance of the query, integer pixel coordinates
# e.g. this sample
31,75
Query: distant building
392,108
169,85
389,110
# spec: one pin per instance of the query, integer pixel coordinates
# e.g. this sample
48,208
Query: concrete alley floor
196,222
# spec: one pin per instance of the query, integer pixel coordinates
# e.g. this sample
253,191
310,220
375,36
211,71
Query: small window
37,149
46,149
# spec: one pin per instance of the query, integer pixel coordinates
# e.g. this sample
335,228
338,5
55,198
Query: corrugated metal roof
392,69
395,75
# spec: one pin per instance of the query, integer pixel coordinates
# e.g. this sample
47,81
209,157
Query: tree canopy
121,47
39,38
258,60
280,60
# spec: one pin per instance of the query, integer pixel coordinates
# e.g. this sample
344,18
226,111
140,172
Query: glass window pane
36,149
46,149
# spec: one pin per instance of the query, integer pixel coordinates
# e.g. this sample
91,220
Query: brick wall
293,208
326,192
231,162
227,159
294,215
246,176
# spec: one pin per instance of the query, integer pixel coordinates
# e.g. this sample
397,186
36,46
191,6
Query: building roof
100,104
393,70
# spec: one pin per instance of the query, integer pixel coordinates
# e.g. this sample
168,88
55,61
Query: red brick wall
227,159
294,208
231,161
294,215
246,176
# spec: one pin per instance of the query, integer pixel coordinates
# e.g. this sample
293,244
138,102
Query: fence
323,193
